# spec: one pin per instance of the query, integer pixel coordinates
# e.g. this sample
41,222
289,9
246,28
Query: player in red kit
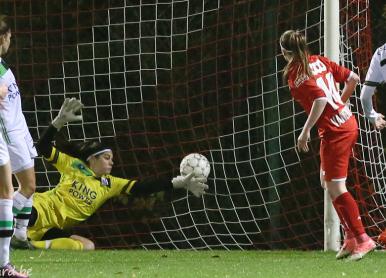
312,81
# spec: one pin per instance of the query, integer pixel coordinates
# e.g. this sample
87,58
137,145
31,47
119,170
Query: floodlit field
230,264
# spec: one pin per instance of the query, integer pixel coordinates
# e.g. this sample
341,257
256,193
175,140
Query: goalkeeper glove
67,113
195,185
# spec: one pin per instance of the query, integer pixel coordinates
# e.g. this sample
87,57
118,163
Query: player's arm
316,111
67,113
61,161
148,186
44,145
367,93
3,91
196,186
366,97
372,81
349,86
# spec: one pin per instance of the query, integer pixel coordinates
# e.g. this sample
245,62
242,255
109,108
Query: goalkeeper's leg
74,242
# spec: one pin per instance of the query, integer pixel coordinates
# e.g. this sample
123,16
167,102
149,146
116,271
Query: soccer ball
196,163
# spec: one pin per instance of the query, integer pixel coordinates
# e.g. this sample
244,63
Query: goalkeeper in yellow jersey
84,186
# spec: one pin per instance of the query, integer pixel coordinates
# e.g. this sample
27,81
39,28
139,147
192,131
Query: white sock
20,233
18,202
48,244
22,208
6,229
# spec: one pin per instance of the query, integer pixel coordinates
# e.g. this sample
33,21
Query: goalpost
331,48
161,79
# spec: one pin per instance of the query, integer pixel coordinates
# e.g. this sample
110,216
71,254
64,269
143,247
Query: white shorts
21,151
4,156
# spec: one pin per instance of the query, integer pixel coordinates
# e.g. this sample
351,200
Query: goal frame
332,234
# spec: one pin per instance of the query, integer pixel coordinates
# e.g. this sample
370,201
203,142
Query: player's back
322,84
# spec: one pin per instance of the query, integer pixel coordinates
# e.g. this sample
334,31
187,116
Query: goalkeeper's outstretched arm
70,112
196,186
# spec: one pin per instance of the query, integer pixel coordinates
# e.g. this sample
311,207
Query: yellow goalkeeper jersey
77,196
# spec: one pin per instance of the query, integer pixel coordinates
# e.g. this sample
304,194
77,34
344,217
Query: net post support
331,225
331,50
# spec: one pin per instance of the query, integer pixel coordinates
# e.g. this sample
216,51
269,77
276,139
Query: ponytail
294,44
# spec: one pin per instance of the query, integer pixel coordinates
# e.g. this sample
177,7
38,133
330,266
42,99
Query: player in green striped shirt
19,142
6,187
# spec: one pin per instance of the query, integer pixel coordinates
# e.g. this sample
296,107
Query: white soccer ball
196,163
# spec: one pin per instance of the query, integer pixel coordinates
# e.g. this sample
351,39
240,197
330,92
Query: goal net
162,79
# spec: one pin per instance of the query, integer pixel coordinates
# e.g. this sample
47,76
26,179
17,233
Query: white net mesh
161,79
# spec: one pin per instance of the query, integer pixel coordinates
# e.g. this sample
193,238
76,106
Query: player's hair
4,26
294,44
81,150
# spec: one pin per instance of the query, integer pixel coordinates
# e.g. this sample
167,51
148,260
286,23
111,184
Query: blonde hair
294,44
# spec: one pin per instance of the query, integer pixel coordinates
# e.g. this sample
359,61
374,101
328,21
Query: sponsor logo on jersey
77,164
105,181
82,192
13,91
300,79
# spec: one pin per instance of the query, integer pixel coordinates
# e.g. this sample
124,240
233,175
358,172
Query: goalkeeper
85,185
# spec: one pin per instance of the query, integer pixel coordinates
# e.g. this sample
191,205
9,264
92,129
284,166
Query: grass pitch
197,264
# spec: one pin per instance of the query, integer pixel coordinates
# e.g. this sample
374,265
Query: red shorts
335,152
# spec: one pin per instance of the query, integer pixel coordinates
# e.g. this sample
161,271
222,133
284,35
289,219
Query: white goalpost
331,50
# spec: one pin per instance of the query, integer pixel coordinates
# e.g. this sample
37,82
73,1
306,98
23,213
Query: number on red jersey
329,88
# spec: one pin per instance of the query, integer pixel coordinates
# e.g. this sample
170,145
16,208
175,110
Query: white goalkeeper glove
68,113
195,185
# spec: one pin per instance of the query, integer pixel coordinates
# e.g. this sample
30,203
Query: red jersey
322,84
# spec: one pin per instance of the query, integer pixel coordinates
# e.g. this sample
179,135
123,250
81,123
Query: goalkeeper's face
102,164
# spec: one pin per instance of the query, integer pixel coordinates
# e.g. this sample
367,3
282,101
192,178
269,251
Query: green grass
185,264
